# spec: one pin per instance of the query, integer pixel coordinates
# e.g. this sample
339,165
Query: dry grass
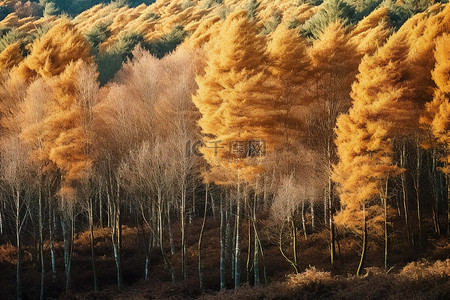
310,276
8,253
425,270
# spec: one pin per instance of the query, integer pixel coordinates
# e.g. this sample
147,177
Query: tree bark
51,227
386,228
183,229
117,236
417,189
237,249
304,219
67,232
92,240
364,246
280,245
41,241
200,239
331,221
19,249
222,246
405,192
256,245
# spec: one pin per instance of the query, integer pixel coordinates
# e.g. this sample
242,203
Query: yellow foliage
437,114
57,124
371,32
10,57
235,97
290,66
381,106
51,53
422,37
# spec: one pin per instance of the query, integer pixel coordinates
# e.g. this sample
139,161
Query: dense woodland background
126,168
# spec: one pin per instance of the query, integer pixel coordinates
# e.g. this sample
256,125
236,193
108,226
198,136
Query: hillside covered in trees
224,149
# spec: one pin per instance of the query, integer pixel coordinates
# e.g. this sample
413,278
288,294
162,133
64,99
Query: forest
257,149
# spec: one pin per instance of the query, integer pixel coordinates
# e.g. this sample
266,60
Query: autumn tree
51,53
15,175
285,204
334,65
10,57
32,114
235,98
438,110
371,32
56,126
146,153
381,107
423,30
290,66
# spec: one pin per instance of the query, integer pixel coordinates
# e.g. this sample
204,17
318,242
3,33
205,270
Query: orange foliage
235,97
438,111
51,53
10,57
381,107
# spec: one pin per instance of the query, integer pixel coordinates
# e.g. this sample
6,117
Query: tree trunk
331,221
304,219
447,179
237,250
325,207
222,246
65,223
256,246
117,236
280,245
417,189
169,229
91,228
405,192
229,236
294,241
19,250
161,236
51,228
386,228
1,219
364,246
249,252
41,241
199,246
100,205
183,228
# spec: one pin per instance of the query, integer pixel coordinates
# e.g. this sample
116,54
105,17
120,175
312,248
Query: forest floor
414,274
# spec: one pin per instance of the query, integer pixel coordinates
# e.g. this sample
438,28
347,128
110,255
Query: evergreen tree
330,11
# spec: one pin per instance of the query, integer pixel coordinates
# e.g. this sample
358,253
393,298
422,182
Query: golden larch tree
381,107
290,66
236,98
51,53
438,110
10,57
371,32
68,122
